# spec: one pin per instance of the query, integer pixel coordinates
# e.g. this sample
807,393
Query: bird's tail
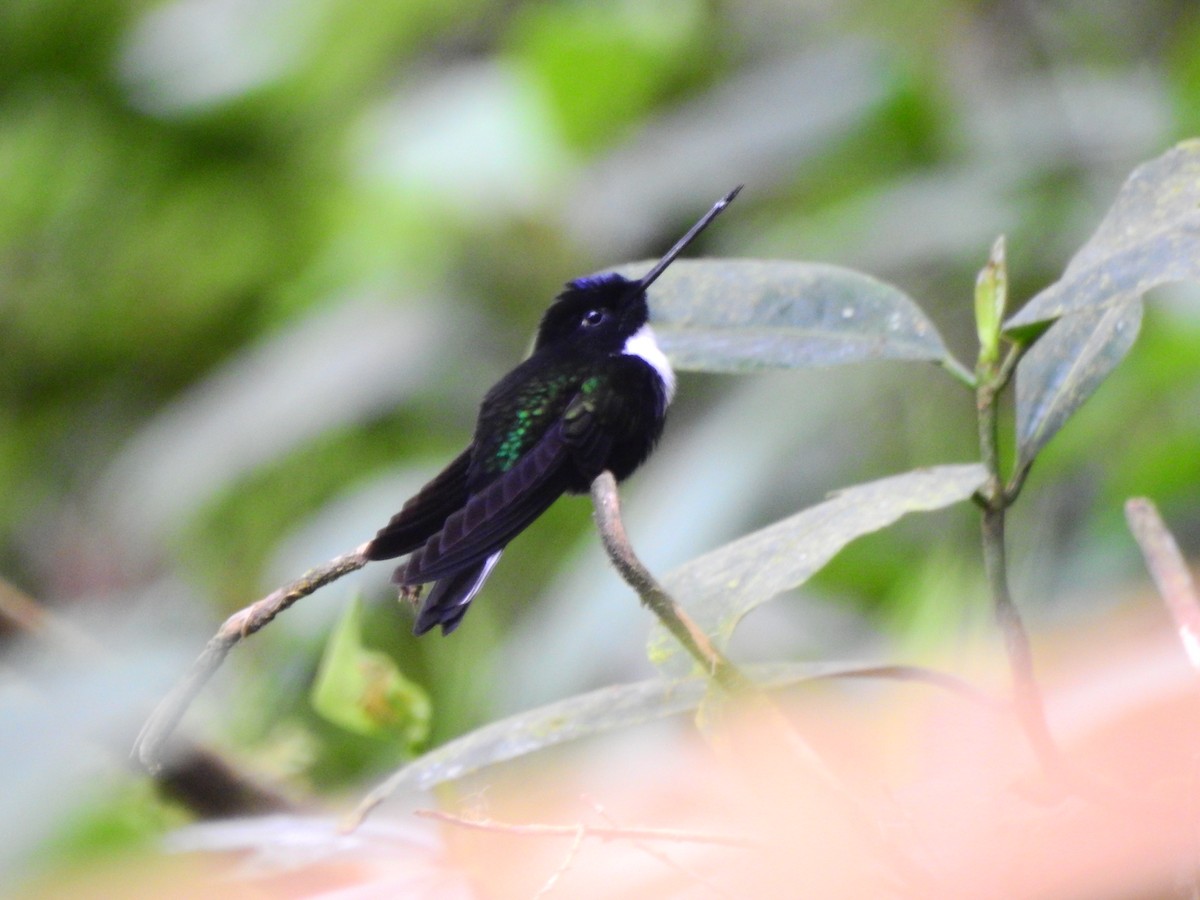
448,601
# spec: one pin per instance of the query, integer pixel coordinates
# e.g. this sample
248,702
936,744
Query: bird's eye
592,318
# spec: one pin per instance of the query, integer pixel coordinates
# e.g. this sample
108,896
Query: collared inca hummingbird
592,396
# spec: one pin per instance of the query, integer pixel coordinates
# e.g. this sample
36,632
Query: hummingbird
592,396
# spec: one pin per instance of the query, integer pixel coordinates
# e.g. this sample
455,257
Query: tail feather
448,601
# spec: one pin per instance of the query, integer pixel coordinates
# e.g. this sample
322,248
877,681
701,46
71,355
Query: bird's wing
498,512
424,514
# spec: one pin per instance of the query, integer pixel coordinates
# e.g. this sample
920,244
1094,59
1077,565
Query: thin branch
243,623
1169,571
565,865
657,854
669,835
654,598
922,675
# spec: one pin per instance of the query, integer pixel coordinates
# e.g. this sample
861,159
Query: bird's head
599,312
602,312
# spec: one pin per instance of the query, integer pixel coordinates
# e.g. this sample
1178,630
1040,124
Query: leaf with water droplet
721,587
1150,237
746,315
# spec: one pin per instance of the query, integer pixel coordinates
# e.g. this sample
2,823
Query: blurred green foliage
185,184
362,691
604,66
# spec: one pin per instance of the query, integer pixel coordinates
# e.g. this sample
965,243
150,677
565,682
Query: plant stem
995,498
1027,698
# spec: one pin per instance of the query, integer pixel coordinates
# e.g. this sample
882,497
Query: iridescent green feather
534,407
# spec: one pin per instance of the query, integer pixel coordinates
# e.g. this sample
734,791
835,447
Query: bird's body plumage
591,397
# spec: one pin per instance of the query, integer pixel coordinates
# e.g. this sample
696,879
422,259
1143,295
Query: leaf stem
958,371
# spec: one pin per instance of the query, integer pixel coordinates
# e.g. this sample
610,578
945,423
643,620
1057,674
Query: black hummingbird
592,396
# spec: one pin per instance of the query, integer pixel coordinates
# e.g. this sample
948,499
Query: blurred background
260,259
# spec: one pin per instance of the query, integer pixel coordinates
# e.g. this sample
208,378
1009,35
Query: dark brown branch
212,788
243,623
1169,571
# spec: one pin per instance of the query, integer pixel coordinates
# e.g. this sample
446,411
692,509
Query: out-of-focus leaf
363,691
612,708
719,588
1066,366
1150,237
745,315
751,125
601,66
336,367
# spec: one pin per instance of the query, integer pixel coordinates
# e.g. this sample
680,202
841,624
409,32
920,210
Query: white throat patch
643,344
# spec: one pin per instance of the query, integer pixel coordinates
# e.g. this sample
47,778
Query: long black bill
661,266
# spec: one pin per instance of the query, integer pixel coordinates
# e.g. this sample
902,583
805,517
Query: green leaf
746,315
363,691
1150,237
610,709
721,587
1066,366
